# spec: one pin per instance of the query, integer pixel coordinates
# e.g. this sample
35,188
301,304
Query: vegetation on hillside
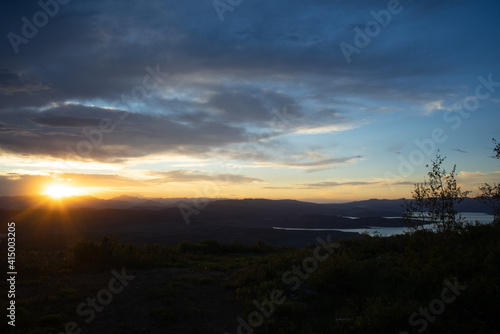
370,284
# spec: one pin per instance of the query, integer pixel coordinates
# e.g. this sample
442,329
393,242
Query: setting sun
59,191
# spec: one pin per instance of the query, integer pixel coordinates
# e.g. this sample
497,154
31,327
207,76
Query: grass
370,284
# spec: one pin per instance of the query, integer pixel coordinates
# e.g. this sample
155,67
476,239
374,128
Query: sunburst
60,191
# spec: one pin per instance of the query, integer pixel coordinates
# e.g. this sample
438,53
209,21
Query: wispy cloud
312,165
195,176
333,184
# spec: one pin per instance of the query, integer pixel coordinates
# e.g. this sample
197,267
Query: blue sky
184,99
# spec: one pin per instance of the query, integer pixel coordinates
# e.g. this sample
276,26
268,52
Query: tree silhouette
490,194
496,150
435,200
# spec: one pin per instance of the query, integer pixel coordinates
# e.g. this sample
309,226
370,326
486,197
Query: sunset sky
316,100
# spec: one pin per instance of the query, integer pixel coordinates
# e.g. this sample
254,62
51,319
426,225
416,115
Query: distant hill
138,219
120,202
43,201
231,209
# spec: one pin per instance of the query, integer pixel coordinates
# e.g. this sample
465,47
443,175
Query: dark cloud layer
11,83
101,134
225,78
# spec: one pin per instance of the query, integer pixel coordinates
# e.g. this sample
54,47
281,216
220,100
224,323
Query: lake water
482,218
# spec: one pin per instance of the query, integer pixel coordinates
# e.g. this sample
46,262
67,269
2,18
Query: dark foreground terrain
145,271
